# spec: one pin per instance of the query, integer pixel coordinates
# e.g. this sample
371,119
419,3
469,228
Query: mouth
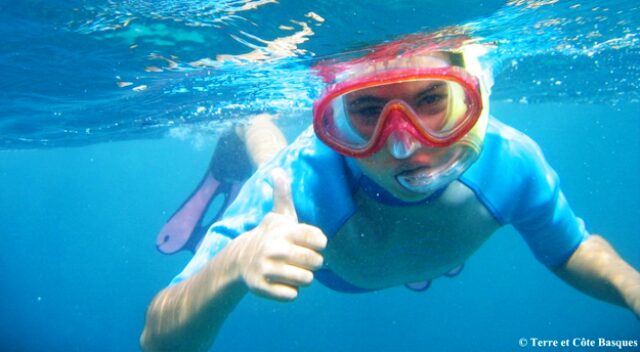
418,180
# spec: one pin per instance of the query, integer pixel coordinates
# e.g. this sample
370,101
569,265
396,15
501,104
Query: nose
401,144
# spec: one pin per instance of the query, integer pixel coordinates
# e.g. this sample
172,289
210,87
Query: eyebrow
372,99
430,88
366,99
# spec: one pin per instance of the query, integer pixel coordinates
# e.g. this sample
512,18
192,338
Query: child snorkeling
403,176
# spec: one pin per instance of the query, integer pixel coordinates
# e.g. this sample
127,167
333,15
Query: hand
280,254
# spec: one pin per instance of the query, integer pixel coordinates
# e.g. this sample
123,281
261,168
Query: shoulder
513,155
320,183
515,182
512,145
511,173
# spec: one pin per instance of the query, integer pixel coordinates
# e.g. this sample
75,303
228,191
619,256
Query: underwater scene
110,112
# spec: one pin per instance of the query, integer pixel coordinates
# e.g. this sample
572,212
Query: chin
408,195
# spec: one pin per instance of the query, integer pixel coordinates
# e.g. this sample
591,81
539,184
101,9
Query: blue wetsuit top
511,178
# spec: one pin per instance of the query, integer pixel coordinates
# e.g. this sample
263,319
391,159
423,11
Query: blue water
91,169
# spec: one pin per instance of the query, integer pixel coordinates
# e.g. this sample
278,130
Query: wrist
222,275
234,262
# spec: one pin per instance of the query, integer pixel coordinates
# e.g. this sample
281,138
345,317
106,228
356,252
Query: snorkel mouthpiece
430,180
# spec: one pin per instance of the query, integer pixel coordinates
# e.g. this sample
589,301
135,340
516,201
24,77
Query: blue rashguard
510,178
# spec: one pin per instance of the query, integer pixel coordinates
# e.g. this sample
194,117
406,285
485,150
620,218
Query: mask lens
442,109
438,107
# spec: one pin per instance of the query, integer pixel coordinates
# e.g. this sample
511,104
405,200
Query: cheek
374,164
378,167
369,167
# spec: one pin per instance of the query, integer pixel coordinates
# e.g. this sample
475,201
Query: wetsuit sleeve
515,182
543,215
319,185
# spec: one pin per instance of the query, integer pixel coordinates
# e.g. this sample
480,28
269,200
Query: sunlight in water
165,64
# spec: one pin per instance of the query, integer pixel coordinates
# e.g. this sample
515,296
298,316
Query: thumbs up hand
280,254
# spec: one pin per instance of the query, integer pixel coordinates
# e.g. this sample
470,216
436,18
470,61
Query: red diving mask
436,106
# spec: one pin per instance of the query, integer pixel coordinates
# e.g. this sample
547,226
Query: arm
534,204
596,269
187,316
262,138
272,260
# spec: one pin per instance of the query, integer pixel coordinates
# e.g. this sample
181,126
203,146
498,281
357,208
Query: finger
282,199
308,236
277,291
305,258
290,275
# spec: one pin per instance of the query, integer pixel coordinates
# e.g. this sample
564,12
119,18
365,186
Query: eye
365,111
366,114
431,99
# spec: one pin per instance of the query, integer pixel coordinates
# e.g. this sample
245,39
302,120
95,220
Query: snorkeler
403,176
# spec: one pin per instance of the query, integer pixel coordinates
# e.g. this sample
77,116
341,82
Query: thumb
282,198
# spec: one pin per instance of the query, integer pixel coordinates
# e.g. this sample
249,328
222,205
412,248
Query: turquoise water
90,169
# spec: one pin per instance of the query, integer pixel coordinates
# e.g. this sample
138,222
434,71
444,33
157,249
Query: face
404,131
404,177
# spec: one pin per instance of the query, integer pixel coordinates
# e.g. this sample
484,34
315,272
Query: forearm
188,315
596,269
